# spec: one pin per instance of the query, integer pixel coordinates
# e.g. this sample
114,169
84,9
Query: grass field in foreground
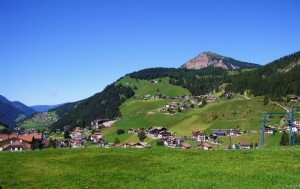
150,168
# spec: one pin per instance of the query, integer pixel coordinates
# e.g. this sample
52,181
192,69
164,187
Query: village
91,136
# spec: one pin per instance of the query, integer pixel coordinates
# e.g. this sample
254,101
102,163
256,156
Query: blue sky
58,51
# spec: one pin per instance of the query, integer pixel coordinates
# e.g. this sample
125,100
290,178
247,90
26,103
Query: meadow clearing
150,168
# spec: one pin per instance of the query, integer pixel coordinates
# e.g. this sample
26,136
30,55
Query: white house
245,145
297,122
108,123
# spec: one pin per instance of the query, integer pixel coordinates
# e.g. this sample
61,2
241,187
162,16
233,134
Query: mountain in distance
44,108
28,111
258,82
13,112
207,59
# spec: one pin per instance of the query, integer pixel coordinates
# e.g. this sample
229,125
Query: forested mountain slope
13,112
102,105
276,79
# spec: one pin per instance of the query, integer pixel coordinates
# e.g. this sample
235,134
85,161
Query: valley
161,128
148,108
149,94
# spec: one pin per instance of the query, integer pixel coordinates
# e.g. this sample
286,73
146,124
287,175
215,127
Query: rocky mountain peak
207,59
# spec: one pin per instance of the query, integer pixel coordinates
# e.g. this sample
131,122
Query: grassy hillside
239,112
150,168
144,87
271,141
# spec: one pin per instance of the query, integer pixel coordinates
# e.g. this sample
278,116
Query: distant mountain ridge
23,108
44,108
13,112
210,59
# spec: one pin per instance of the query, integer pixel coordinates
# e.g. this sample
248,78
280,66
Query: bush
159,143
251,145
120,131
284,139
67,134
142,136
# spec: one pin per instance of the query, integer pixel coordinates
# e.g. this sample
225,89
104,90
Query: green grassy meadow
146,87
38,124
150,168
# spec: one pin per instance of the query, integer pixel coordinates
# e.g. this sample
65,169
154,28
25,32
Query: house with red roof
186,145
16,146
16,142
245,145
199,135
204,146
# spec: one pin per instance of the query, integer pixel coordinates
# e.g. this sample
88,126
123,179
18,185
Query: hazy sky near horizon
57,51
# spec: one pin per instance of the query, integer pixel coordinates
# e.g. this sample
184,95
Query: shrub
120,131
142,136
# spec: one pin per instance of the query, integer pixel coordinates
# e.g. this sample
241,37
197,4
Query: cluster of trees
285,139
5,130
36,144
102,105
66,108
277,79
198,82
120,131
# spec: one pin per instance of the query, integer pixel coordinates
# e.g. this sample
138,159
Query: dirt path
245,95
285,108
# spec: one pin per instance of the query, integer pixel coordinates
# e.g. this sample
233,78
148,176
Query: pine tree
35,144
67,134
266,100
51,143
297,137
142,136
284,139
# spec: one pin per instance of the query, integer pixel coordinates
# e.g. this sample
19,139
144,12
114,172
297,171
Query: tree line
198,82
277,79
